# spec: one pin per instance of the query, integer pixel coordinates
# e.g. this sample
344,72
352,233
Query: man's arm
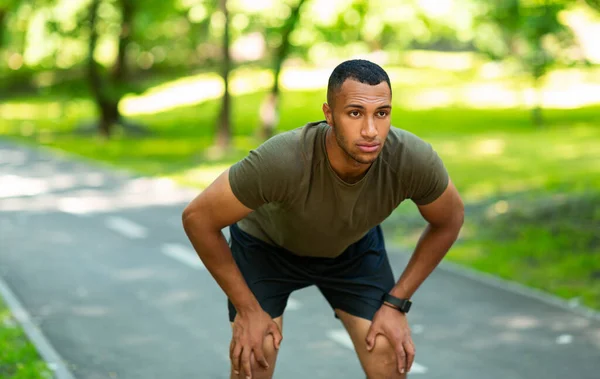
203,219
445,217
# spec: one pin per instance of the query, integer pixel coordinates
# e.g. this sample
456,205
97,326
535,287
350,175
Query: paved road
101,263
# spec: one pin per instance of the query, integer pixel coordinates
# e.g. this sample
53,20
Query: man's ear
327,113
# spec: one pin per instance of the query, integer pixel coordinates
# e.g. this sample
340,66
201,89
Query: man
304,208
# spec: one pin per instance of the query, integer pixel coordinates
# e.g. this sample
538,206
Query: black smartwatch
403,305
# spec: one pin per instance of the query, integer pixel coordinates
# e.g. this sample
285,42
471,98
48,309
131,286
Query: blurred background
507,91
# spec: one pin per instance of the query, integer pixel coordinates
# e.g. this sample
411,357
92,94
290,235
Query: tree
127,11
109,112
527,31
270,107
224,123
107,91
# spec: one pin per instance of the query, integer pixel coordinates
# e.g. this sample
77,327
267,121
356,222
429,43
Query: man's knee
382,361
258,370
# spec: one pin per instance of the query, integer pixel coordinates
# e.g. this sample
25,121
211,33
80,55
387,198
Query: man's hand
249,332
394,326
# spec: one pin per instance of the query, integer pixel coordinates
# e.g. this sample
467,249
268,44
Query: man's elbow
460,215
190,217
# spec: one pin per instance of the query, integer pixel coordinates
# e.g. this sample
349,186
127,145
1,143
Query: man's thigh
258,372
379,363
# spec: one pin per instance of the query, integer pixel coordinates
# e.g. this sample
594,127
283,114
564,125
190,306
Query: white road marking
183,254
293,304
343,338
564,339
73,205
43,346
126,227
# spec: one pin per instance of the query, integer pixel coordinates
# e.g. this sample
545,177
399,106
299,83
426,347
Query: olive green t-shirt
299,202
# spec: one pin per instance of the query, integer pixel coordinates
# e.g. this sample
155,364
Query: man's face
360,118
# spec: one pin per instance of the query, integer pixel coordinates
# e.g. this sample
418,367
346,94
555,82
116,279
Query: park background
507,92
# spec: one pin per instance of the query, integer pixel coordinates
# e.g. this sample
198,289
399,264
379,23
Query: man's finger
259,355
245,361
401,356
409,348
277,336
370,339
235,357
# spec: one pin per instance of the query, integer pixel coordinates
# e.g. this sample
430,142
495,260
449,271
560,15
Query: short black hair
361,70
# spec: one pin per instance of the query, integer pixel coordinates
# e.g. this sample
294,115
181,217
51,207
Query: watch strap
403,305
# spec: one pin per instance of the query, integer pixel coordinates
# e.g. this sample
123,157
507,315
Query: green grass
530,191
18,357
554,245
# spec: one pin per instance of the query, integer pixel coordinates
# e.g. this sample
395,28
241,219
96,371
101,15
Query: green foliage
18,357
595,4
527,31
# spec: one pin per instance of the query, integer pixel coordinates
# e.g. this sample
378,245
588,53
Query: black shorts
353,282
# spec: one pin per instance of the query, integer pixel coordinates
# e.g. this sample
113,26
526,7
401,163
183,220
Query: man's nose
369,130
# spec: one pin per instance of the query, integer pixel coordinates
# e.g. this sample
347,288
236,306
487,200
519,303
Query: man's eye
382,113
354,113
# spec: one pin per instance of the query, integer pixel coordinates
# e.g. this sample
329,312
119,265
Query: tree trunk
536,112
270,108
224,125
2,26
119,70
107,106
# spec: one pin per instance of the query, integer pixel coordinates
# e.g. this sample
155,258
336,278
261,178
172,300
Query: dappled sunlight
426,99
201,176
516,322
489,147
43,186
305,79
497,208
85,202
433,89
564,89
194,90
30,111
441,60
489,95
13,185
586,30
181,92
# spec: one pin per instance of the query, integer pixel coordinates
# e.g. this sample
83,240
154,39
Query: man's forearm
430,250
214,252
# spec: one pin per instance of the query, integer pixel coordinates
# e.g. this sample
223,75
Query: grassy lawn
532,194
18,357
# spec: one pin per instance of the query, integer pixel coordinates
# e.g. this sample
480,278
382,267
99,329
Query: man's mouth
368,147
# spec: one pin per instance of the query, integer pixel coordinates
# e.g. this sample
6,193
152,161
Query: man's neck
346,168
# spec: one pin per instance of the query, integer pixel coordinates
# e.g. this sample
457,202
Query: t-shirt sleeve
265,174
425,175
